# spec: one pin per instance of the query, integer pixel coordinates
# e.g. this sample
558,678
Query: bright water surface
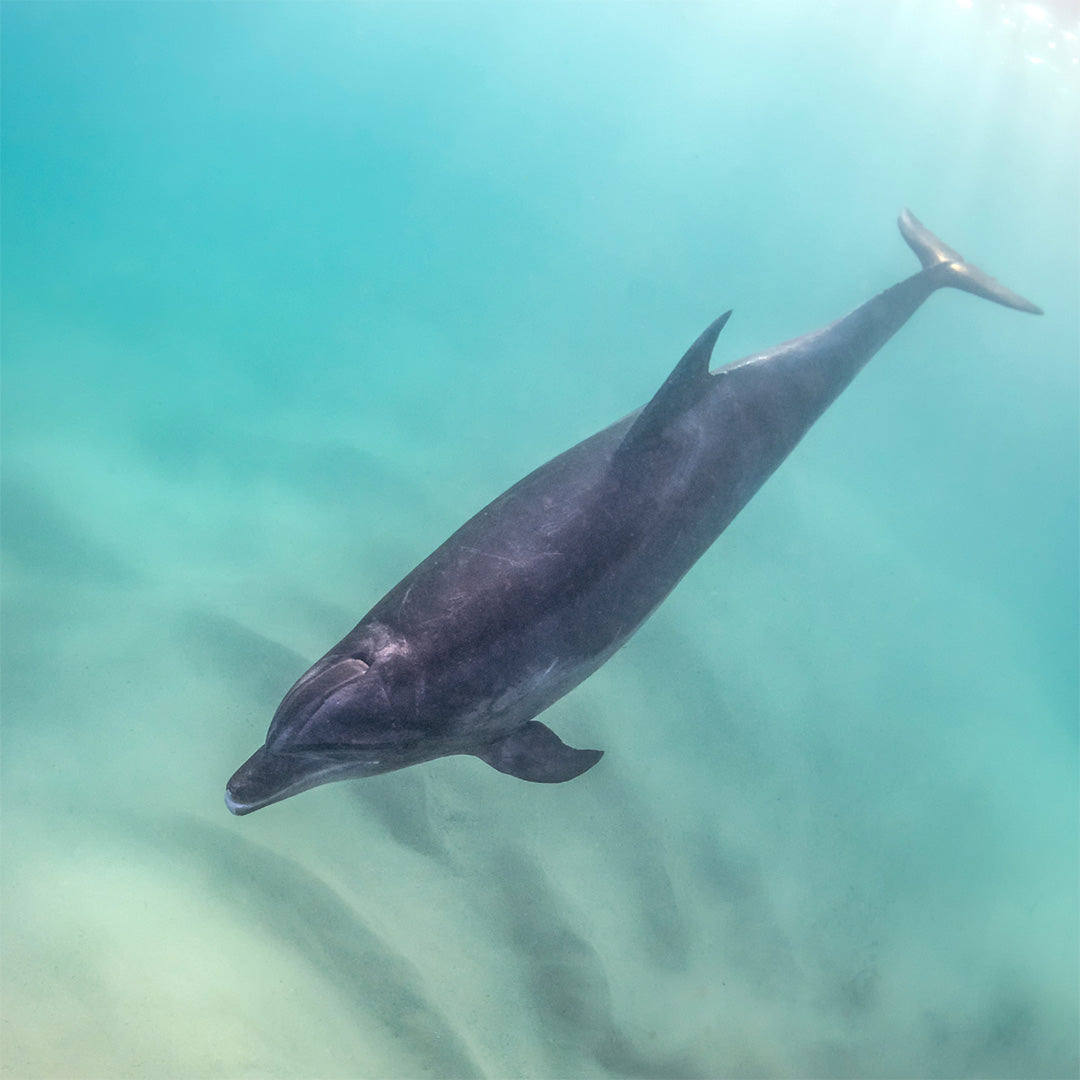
289,291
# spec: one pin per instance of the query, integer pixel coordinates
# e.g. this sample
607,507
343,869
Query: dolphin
529,597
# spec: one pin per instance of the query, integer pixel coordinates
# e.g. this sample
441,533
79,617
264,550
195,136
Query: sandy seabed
830,835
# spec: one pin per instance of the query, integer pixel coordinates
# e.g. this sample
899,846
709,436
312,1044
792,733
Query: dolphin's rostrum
535,592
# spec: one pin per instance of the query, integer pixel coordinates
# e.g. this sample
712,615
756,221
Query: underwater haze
290,290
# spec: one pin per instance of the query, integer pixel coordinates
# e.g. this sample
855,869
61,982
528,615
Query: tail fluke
951,269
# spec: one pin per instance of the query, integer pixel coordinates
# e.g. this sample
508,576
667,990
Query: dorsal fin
680,390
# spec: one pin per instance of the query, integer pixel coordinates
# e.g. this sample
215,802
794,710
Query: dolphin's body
535,592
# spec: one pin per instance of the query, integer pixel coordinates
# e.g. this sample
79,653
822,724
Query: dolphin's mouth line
317,776
333,754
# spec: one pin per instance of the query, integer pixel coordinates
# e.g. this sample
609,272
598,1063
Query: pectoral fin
534,752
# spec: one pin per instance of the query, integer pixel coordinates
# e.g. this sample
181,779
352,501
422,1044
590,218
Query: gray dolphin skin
534,593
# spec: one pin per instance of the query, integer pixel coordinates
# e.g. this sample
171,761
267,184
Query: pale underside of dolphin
529,597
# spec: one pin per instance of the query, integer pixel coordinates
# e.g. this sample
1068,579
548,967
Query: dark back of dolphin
535,592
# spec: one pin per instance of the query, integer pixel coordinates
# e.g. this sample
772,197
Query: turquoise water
289,291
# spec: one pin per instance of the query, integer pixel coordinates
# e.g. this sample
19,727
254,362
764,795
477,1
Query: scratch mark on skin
490,555
419,697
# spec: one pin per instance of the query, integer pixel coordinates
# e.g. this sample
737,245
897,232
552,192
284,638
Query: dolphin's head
336,723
